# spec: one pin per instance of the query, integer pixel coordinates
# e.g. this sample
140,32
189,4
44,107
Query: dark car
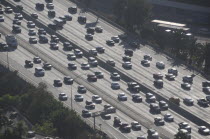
111,62
47,66
72,66
110,42
43,39
54,46
37,60
163,105
82,19
33,40
58,83
136,98
126,58
157,76
39,6
91,30
158,83
203,102
206,84
100,49
67,46
89,37
29,63
68,17
186,86
128,52
155,108
41,31
159,121
115,76
31,24
51,13
72,9
55,39
71,56
50,6
81,89
35,15
99,74
134,44
8,10
16,29
92,77
68,80
3,46
133,86
145,63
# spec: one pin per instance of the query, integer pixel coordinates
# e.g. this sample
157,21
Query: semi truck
11,41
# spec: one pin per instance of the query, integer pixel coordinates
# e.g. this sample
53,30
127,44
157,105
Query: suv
29,63
72,9
47,66
39,71
82,19
58,83
92,77
68,80
154,107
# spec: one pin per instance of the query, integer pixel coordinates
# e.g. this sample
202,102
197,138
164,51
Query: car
31,24
19,7
100,49
110,62
128,52
18,16
134,44
43,39
53,26
90,105
17,22
58,83
126,58
78,53
206,89
63,19
136,98
108,108
32,32
133,86
98,29
115,76
89,37
55,39
47,66
158,83
54,46
154,107
206,84
186,86
96,99
158,75
116,39
93,52
168,117
115,85
72,66
159,121
8,10
63,96
184,125
163,105
127,65
68,17
208,98
51,13
1,11
71,56
148,57
81,89
188,79
37,60
125,127
16,29
72,9
160,65
173,71
203,130
203,102
35,15
85,66
92,61
3,46
145,63
82,19
141,137
110,42
117,121
152,134
50,6
33,40
39,6
78,97
91,77
122,97
39,71
41,31
68,80
106,116
175,100
29,63
90,30
188,101
135,125
99,74
170,76
150,97
123,36
67,46
86,113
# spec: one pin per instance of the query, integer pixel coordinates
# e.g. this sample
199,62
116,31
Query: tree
207,59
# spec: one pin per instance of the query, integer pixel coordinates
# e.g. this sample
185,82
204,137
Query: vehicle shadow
93,24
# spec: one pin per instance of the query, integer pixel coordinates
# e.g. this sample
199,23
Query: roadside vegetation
48,115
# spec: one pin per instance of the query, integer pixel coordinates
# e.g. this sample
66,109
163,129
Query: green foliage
46,128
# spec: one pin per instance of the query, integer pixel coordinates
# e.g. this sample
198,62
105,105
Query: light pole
8,60
71,88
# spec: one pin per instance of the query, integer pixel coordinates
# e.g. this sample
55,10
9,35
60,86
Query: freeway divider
144,88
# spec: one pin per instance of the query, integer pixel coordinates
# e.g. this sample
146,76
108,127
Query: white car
63,96
188,101
85,66
122,97
96,99
78,97
204,130
160,65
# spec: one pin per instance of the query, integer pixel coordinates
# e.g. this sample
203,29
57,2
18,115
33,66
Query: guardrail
145,88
